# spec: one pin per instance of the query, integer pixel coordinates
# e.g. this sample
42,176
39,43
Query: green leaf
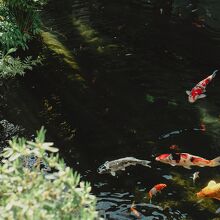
7,152
14,156
12,50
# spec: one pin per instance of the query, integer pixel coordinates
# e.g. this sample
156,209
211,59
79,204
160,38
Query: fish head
104,168
160,186
164,158
201,194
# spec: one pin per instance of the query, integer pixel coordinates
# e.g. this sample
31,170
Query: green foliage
26,14
31,193
19,22
10,66
10,34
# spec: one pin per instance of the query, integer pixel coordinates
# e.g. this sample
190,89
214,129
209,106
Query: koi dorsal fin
211,183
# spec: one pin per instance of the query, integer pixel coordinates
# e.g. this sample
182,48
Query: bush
19,22
28,192
10,66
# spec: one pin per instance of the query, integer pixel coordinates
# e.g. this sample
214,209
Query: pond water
113,85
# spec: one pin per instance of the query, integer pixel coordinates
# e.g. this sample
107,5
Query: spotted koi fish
187,160
198,91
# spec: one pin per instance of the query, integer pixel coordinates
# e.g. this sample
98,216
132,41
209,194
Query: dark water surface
113,85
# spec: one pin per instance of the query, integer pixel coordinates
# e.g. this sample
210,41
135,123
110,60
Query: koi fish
187,160
212,190
157,188
199,89
195,176
174,147
121,164
202,127
134,211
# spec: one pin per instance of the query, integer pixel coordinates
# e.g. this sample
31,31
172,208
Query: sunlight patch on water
58,48
91,37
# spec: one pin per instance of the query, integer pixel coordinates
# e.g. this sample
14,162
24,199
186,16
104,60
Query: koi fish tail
215,162
145,163
214,73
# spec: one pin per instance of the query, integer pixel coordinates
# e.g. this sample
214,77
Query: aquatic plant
190,194
33,193
10,66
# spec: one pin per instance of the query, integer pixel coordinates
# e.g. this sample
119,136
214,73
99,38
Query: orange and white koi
198,91
157,188
187,160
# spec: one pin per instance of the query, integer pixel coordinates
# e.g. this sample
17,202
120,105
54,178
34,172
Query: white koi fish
121,164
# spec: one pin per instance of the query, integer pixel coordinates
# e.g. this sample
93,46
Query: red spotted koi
187,160
157,188
198,91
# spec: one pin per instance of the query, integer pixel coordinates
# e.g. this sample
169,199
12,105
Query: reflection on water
113,85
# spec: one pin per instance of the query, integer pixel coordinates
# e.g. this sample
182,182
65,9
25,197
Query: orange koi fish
187,160
157,188
134,211
202,127
212,190
199,89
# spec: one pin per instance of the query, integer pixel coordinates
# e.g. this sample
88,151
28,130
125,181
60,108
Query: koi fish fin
201,96
187,167
188,92
211,183
215,162
145,163
214,73
217,211
113,173
173,165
